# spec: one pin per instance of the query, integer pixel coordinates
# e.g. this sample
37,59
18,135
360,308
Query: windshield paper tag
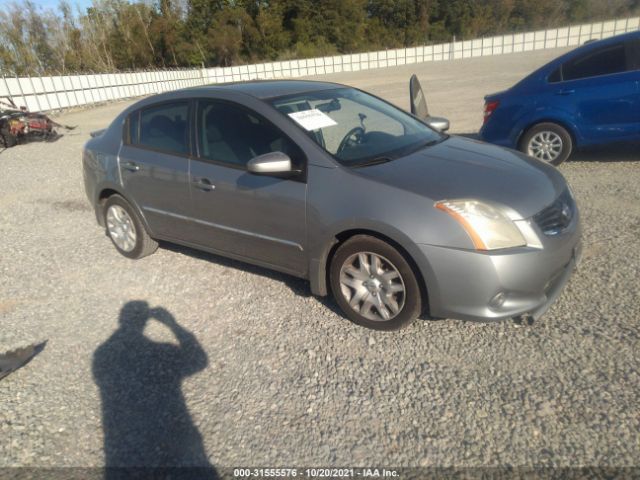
312,119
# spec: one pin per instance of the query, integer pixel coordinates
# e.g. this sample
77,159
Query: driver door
257,217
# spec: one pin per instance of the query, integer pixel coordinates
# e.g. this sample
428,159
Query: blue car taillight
489,108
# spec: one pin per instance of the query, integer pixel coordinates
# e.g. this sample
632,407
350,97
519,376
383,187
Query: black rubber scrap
14,359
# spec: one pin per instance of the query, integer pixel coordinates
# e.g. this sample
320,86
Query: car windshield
354,127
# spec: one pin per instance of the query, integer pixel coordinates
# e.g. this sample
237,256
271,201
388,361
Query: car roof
264,89
595,44
585,47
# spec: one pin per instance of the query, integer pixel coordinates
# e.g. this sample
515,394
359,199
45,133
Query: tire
7,139
353,282
549,136
119,226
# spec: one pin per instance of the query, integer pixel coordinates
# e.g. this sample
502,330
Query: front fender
319,256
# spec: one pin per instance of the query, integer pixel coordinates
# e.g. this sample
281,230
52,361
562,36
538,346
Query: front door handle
203,184
131,166
565,92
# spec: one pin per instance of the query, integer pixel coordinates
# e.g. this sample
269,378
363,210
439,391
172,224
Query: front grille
553,219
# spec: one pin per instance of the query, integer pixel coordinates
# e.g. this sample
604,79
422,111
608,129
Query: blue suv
589,96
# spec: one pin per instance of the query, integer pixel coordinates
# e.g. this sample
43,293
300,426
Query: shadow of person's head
135,315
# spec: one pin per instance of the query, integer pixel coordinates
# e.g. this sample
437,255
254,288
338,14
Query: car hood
463,168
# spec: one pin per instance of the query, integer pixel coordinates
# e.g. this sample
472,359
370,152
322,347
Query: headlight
488,227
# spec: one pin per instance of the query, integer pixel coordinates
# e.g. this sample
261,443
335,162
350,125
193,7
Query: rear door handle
565,92
203,184
131,166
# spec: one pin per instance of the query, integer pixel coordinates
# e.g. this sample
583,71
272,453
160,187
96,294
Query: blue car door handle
565,92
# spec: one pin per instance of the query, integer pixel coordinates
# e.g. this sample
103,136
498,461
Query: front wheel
548,142
374,285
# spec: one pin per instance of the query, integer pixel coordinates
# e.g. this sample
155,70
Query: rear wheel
125,229
548,142
374,285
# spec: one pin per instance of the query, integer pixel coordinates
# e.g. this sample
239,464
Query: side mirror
419,107
438,123
273,163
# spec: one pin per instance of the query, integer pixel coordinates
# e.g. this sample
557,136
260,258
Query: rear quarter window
555,76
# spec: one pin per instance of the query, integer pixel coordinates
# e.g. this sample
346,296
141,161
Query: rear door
154,165
257,217
601,86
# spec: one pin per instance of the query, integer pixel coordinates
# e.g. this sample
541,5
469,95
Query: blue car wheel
548,142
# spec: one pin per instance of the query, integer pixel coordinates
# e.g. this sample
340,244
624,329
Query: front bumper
471,285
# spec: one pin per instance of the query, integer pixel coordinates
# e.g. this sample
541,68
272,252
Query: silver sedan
334,185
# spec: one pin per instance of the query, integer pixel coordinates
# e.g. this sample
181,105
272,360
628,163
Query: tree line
117,35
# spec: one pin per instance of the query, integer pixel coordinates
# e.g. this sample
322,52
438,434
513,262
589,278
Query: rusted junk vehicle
18,125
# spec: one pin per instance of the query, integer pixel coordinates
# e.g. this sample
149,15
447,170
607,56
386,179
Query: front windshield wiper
373,161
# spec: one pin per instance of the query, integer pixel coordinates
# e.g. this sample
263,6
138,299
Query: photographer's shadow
146,423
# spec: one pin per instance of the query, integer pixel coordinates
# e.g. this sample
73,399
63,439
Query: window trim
302,176
127,136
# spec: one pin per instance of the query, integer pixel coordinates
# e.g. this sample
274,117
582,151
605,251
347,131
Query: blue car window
602,61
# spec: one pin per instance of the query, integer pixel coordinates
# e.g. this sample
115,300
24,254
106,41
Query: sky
53,4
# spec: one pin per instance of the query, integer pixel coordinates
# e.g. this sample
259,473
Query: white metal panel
25,86
551,38
487,46
13,84
52,100
574,35
608,28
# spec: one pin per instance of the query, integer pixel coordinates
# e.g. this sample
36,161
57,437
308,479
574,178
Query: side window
234,135
162,127
602,61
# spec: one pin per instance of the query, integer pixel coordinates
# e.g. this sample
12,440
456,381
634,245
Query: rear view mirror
419,107
270,164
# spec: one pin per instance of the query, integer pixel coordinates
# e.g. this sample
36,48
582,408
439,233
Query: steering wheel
353,137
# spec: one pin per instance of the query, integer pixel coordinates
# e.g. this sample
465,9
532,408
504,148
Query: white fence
57,92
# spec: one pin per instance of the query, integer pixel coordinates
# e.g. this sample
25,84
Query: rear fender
104,191
546,115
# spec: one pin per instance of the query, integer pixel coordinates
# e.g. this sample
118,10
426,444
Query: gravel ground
242,366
